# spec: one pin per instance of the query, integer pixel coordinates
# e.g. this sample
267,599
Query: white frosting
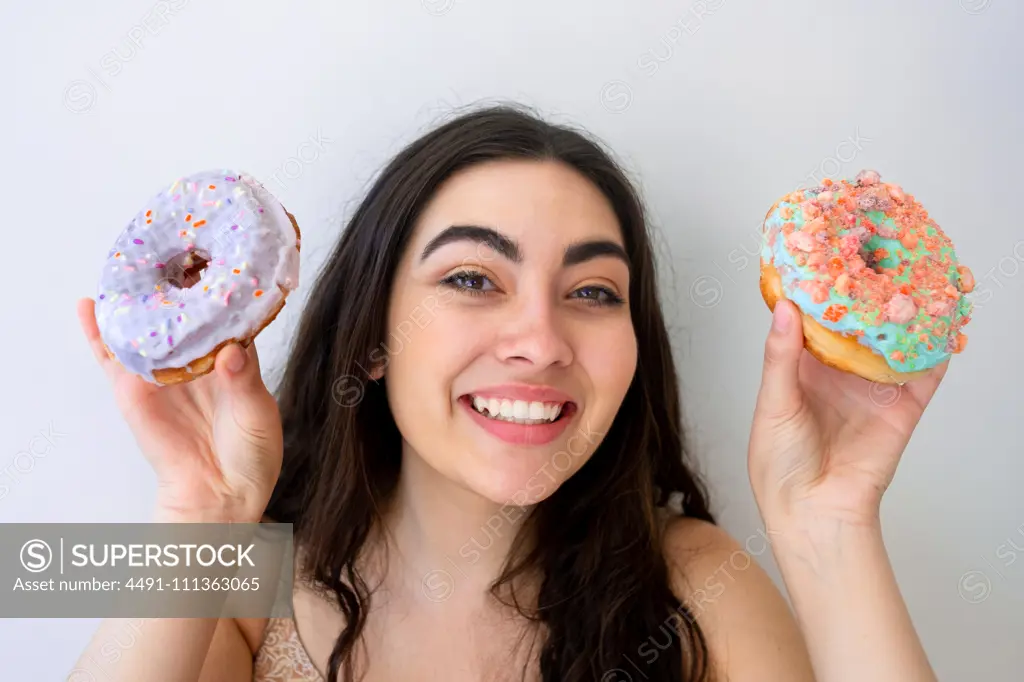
146,321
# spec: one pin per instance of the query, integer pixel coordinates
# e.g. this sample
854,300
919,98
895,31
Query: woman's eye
595,295
468,281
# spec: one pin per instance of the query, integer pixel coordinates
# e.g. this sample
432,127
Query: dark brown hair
604,593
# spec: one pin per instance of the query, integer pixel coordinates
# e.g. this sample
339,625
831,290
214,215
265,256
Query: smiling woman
514,410
510,495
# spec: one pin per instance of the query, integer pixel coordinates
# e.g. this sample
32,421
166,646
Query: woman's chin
517,485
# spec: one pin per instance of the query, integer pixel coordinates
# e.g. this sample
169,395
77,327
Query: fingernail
236,361
781,318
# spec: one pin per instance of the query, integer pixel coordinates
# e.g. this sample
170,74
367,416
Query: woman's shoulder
750,631
701,554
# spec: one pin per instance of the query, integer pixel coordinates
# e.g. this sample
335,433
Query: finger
250,350
86,309
249,346
924,388
239,368
780,396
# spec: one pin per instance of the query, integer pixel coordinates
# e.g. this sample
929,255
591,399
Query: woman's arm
848,604
851,623
215,444
167,649
823,450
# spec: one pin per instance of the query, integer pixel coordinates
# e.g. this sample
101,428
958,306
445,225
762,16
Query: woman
500,264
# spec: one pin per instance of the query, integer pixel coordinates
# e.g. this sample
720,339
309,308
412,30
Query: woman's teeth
517,411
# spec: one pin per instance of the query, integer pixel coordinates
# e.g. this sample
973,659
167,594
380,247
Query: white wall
719,107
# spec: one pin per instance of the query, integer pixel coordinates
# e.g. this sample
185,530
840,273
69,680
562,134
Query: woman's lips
521,434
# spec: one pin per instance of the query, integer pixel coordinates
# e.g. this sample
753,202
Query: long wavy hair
604,592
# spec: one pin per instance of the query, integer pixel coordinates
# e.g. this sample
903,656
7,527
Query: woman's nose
534,331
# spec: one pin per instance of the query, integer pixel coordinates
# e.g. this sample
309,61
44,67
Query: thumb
239,368
242,391
247,436
780,396
244,400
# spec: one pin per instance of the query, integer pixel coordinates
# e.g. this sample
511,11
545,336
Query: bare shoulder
750,630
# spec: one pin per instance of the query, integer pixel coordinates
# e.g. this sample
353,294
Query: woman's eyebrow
574,253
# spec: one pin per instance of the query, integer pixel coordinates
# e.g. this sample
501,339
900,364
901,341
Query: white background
717,107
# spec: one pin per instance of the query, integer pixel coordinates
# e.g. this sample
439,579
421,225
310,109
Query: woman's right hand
215,442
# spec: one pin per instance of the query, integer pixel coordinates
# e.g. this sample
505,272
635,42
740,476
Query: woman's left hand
825,444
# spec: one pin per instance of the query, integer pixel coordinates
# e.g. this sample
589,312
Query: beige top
282,656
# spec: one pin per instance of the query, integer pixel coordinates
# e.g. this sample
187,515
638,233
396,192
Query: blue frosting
883,337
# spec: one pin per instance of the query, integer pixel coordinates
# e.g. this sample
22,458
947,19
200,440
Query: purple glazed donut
208,260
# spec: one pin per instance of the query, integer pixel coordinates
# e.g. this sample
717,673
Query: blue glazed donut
879,284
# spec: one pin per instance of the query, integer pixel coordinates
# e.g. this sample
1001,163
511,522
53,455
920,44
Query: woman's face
511,298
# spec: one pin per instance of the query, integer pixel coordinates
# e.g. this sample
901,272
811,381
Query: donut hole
186,269
870,252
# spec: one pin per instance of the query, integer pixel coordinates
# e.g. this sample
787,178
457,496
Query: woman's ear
377,373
